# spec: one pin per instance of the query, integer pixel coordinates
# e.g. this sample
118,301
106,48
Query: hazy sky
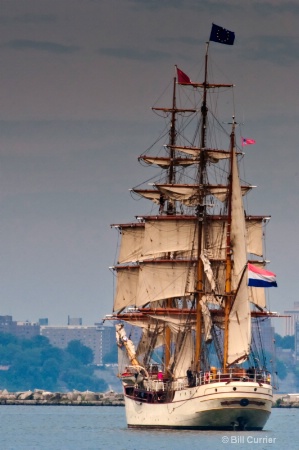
77,81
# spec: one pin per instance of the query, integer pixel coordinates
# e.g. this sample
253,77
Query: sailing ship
186,309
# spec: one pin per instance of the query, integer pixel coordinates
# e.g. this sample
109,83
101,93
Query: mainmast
204,109
201,213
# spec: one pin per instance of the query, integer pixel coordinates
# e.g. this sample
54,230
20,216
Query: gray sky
77,81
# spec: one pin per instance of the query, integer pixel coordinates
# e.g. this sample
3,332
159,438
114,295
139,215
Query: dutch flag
258,277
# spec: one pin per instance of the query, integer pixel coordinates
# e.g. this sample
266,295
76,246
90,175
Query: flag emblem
182,77
246,141
221,35
259,277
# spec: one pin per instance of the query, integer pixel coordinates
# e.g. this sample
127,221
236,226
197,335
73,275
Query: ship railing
207,377
180,383
156,385
254,375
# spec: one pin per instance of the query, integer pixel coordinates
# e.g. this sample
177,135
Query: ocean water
94,428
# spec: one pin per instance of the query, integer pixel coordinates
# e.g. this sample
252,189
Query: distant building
101,339
98,338
74,320
108,341
23,330
43,321
285,355
292,319
297,342
5,323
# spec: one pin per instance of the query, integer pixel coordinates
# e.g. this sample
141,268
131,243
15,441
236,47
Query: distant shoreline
75,398
286,401
46,403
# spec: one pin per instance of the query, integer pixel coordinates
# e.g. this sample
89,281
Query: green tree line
36,364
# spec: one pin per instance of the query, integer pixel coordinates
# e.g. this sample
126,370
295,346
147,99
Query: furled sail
165,162
192,195
149,194
175,322
189,195
212,155
208,271
123,341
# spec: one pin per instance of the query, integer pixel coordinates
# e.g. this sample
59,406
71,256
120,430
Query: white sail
239,317
216,234
254,236
150,282
126,288
131,243
219,270
175,323
185,355
257,296
158,281
166,236
152,333
156,238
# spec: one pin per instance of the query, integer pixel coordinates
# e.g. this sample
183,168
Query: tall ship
190,303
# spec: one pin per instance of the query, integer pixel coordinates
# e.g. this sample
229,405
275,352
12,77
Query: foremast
170,209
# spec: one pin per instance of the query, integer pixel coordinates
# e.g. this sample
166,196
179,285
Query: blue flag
219,34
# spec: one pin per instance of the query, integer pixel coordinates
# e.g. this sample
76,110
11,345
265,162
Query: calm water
92,428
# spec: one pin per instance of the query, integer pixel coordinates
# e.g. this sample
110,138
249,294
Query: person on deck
190,376
161,203
160,375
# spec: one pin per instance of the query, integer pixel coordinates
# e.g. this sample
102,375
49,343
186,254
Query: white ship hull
222,406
